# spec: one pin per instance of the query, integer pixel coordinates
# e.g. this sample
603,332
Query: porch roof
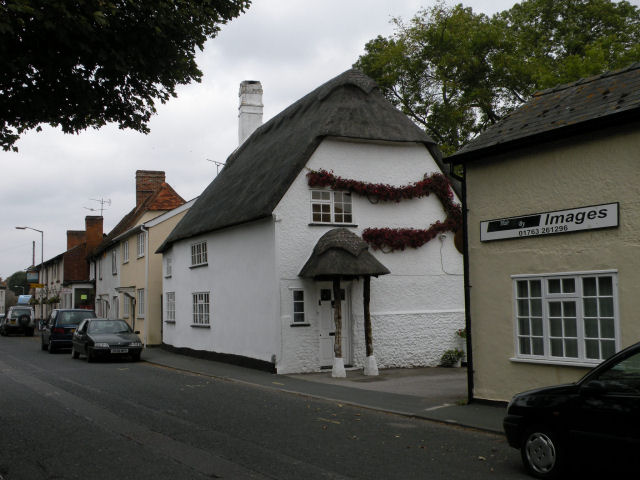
341,253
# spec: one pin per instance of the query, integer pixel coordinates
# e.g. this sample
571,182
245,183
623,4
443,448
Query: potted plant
452,358
461,333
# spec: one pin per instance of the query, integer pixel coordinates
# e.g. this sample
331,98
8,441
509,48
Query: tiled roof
566,109
164,199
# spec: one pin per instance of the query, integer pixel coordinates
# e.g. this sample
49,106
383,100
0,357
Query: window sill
167,276
170,321
195,325
353,225
199,265
556,363
300,324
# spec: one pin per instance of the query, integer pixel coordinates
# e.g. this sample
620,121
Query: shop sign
551,223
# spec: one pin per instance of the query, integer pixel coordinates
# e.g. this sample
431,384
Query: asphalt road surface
63,418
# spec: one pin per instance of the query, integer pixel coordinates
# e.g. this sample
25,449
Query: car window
111,326
622,377
73,318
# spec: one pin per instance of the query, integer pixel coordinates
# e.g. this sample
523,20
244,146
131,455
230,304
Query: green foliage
85,63
454,72
451,357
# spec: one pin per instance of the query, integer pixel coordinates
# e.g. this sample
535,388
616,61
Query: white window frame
126,306
140,302
140,239
168,265
577,297
201,309
298,316
125,251
199,254
170,307
114,262
333,206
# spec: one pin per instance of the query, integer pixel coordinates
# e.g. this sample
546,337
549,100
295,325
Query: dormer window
331,207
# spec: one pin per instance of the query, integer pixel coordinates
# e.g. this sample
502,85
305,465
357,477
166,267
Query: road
63,418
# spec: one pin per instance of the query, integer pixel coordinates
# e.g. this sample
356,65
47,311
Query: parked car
58,329
597,417
20,318
101,337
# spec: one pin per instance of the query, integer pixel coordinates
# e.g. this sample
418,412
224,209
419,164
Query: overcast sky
290,46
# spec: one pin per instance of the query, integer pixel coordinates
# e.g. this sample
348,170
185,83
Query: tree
17,280
84,63
454,72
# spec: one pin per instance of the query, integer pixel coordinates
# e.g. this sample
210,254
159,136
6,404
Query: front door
328,326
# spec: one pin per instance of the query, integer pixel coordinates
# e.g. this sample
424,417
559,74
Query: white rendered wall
416,309
106,286
241,280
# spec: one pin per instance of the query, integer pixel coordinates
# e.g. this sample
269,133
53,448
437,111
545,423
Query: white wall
417,308
241,280
106,286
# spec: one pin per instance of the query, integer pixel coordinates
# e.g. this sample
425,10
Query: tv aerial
102,202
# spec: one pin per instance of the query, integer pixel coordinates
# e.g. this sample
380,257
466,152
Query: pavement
434,393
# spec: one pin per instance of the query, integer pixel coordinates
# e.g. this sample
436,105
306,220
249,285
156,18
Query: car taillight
58,330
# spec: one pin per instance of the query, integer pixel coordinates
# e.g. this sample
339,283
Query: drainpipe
467,286
147,313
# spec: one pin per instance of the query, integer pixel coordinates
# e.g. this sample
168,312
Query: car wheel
74,354
29,332
90,356
542,453
136,357
50,347
43,346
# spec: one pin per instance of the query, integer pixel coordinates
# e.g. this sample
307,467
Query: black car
594,420
101,338
58,329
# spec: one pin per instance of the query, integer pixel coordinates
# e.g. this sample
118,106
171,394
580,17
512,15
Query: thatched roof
341,253
258,174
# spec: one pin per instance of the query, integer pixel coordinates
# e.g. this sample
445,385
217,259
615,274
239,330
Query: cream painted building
127,272
552,230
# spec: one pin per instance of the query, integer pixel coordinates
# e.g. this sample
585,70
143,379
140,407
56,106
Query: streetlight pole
41,261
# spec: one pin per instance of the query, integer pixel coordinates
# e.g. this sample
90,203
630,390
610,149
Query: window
331,207
298,306
201,308
198,254
125,251
100,268
140,302
141,241
167,265
568,318
171,307
114,262
126,306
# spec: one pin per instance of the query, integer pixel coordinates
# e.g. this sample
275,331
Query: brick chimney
250,109
93,226
75,238
148,182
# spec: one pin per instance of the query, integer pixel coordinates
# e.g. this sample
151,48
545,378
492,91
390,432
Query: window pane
571,348
606,307
589,286
298,317
298,307
536,326
554,286
525,347
298,295
556,327
591,327
593,351
570,327
536,288
538,347
569,309
606,286
523,289
608,348
607,329
523,307
523,326
555,309
568,285
536,308
556,347
590,307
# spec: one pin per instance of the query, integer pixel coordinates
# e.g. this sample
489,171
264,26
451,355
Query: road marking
437,407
